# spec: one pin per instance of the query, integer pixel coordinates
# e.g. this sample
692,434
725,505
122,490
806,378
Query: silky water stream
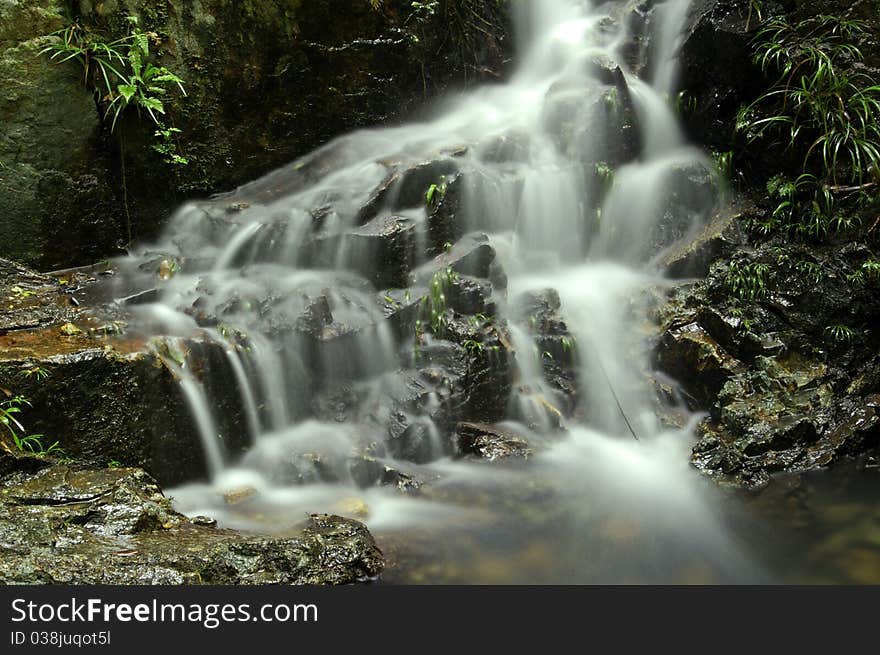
570,169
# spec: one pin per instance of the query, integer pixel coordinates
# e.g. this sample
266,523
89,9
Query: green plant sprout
432,308
841,333
30,443
869,270
435,193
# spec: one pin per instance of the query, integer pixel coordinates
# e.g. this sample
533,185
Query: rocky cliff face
58,200
266,81
778,340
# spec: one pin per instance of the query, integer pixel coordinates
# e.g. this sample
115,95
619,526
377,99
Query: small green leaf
127,91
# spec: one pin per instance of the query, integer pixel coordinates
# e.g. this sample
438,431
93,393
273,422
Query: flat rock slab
29,299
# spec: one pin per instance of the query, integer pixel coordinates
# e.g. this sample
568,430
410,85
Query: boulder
66,524
689,354
105,400
60,201
789,377
471,255
692,255
718,75
102,395
491,442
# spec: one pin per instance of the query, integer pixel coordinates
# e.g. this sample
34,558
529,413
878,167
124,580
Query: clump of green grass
10,411
432,309
868,271
840,333
747,281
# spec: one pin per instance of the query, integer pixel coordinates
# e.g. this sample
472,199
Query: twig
859,187
614,394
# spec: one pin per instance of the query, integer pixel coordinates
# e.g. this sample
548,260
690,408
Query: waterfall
572,168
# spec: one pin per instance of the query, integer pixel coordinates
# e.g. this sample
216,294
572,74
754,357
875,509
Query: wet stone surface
785,389
491,442
65,524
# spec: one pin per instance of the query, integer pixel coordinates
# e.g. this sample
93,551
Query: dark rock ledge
67,524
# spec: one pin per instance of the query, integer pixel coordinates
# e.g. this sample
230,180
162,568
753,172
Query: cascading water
574,168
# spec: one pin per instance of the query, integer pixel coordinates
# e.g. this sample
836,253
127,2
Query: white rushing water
559,218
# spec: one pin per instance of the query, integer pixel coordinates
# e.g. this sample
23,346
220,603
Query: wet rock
330,550
691,256
471,255
606,71
367,471
72,525
413,186
205,521
593,123
404,482
538,303
316,317
30,300
505,148
415,440
108,400
491,442
557,346
472,296
445,223
58,196
734,336
106,502
860,432
692,194
15,462
410,414
689,354
378,199
384,250
794,399
718,74
100,395
489,377
463,294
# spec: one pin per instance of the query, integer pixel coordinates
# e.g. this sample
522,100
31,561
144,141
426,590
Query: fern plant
822,108
123,76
